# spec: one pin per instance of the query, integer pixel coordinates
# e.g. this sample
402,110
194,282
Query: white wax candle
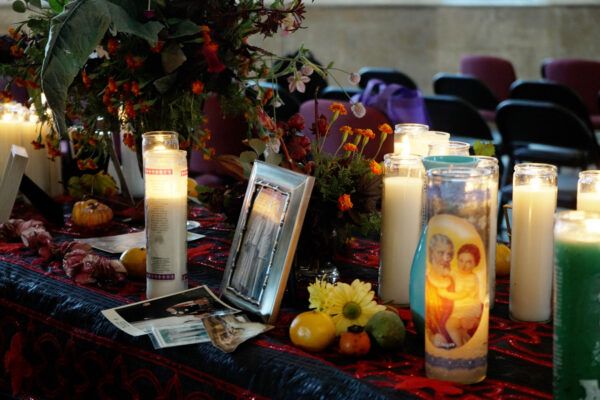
166,215
10,133
400,231
419,142
588,201
44,172
532,252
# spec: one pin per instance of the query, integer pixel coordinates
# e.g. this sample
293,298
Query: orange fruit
191,188
312,330
502,259
134,261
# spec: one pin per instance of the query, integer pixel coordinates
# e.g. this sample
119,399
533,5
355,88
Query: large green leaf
74,34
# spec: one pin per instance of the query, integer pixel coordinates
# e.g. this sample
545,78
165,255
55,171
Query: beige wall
421,41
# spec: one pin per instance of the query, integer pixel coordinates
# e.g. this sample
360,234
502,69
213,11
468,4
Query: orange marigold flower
158,47
14,34
135,88
129,141
350,147
359,131
267,96
20,82
86,79
369,133
81,164
112,85
375,167
133,63
197,87
106,97
184,144
130,109
111,109
92,141
144,108
5,96
347,130
53,151
16,51
37,145
31,72
344,202
90,164
339,108
112,46
32,84
210,154
385,128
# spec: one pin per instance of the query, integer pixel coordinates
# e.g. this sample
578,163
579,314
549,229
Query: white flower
307,69
354,78
297,81
358,110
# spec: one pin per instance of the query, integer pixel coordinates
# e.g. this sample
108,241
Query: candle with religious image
165,205
401,208
588,191
456,285
534,203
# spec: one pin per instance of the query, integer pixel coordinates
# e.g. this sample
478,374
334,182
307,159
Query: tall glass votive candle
401,209
534,203
456,298
401,135
450,148
576,366
492,164
159,140
165,205
419,142
588,191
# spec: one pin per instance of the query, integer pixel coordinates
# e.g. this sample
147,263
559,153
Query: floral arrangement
148,66
347,183
347,304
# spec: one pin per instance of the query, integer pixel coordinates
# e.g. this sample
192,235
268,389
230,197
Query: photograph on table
186,307
265,239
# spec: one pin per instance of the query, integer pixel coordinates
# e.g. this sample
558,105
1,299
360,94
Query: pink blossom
297,81
358,110
307,69
354,78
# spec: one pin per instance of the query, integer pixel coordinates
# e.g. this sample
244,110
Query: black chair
386,75
338,93
553,92
289,104
467,88
566,140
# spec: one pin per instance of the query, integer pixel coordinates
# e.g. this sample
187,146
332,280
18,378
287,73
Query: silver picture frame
265,239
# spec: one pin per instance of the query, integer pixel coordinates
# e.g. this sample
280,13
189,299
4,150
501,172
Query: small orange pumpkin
91,213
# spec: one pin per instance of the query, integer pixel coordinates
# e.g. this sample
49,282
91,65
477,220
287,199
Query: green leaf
257,145
172,57
36,3
165,83
274,158
484,148
184,28
56,5
248,156
19,6
74,34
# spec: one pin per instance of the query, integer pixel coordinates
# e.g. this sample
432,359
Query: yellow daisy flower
318,293
351,305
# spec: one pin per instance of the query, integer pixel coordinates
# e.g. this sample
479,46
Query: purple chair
372,119
496,72
227,134
583,76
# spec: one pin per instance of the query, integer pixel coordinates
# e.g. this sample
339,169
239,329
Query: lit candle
401,132
450,148
166,215
419,141
534,204
588,191
576,305
10,133
401,209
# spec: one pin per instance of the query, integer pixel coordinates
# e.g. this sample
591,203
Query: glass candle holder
159,140
450,148
165,205
533,206
401,132
419,142
588,191
401,208
456,298
576,368
491,163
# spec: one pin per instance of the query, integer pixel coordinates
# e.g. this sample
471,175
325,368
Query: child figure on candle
439,288
467,303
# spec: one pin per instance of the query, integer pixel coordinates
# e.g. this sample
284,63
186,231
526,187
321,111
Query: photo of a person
468,305
438,287
258,243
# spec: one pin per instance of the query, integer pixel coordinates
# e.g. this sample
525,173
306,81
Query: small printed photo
179,335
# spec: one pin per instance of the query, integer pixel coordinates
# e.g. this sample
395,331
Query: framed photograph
265,239
11,179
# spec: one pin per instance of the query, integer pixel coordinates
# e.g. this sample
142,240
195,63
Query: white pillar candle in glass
401,132
588,191
165,204
401,209
419,141
450,148
491,163
532,252
10,133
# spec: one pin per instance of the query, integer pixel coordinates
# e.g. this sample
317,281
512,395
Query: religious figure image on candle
455,285
259,242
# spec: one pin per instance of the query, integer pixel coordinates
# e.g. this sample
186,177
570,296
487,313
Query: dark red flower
20,82
209,51
112,46
37,145
129,141
321,124
158,47
298,147
296,122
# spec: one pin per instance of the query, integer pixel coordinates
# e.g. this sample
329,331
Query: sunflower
318,294
351,305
